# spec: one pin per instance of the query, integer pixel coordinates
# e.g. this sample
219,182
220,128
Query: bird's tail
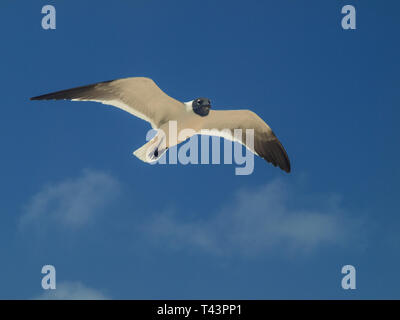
152,151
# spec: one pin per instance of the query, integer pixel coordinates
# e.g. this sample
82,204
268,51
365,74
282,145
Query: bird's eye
198,101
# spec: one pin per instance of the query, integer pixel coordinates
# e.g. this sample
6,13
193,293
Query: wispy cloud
71,203
72,291
273,216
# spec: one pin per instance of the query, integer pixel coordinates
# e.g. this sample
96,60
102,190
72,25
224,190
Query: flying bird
142,98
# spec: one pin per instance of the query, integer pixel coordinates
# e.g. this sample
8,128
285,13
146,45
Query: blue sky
75,197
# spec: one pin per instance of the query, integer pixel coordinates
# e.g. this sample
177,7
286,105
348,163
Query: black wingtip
49,96
281,157
42,97
285,166
274,153
285,163
73,93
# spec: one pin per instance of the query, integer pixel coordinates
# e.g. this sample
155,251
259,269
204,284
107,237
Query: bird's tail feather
152,151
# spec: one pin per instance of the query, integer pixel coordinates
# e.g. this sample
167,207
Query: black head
201,106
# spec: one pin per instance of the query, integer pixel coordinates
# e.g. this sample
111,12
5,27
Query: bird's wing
266,144
140,97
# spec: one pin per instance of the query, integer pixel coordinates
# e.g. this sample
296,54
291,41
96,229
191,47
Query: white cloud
73,202
71,291
270,217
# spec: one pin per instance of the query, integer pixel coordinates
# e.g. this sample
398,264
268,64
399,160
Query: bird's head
201,106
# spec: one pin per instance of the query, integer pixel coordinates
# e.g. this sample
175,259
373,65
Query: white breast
188,106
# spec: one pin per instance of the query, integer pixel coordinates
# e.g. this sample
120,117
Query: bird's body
142,98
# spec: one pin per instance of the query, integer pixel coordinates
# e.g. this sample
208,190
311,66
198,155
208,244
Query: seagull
142,98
